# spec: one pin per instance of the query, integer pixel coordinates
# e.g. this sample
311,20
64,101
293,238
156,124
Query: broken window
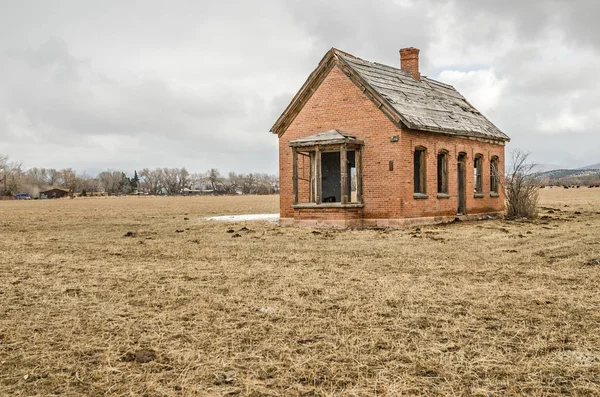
494,177
420,170
328,172
478,174
442,172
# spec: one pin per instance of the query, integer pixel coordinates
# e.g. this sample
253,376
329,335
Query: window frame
421,169
478,176
494,176
442,174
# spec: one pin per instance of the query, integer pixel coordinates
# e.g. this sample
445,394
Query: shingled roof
425,104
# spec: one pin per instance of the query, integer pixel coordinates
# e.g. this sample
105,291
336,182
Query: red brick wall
339,104
329,213
433,206
304,175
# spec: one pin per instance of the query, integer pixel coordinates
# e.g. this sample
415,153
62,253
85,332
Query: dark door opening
462,184
331,177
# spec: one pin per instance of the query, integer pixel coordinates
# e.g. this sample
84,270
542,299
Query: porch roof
331,137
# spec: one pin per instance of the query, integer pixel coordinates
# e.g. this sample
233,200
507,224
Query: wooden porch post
311,177
318,193
295,176
344,173
358,160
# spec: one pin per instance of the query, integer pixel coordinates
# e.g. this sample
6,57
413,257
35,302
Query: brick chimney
409,61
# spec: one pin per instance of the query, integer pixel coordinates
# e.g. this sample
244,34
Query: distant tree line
15,179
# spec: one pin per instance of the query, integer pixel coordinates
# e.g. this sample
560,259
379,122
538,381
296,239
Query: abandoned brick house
364,144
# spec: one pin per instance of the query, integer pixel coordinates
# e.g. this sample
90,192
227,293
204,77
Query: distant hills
588,175
545,167
591,167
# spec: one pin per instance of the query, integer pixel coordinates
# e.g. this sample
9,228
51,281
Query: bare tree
37,176
3,161
195,181
3,174
174,179
521,187
69,179
53,177
150,181
232,184
114,182
214,178
107,181
248,183
89,184
13,177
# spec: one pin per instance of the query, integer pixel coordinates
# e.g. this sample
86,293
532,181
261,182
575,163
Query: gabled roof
56,188
331,137
425,104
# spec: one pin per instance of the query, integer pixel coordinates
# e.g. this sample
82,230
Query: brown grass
489,308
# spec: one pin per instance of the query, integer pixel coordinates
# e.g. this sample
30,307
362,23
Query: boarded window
419,171
478,173
442,172
494,177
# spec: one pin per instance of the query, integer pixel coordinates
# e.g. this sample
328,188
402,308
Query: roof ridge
439,82
337,51
423,77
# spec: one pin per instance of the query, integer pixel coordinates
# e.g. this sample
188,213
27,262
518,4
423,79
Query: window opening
478,173
419,171
442,172
494,175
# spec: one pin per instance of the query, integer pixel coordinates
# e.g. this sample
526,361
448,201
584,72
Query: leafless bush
521,187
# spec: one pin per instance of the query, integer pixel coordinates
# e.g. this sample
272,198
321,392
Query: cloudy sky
131,84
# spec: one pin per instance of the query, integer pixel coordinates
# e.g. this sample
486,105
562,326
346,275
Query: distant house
365,144
55,193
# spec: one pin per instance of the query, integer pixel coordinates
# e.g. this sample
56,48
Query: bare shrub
521,187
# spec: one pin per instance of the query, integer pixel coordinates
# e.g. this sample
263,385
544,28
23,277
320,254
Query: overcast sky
132,84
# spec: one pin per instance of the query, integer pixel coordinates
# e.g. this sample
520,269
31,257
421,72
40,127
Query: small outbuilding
365,144
55,193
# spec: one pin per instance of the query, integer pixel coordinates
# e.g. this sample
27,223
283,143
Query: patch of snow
245,217
579,356
268,310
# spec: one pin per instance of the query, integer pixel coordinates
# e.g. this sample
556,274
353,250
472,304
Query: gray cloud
199,84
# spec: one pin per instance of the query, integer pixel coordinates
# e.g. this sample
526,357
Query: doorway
462,184
331,177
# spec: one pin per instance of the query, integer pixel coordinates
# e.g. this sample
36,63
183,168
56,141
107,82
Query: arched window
442,172
420,171
494,176
478,175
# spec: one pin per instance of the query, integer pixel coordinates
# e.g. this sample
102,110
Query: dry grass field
181,307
